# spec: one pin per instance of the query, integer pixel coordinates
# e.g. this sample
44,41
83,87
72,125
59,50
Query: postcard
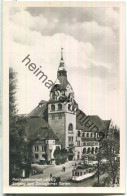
63,97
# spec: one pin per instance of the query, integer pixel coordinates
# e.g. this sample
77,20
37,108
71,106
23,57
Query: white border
6,187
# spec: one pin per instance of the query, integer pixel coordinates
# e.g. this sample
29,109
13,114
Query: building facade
62,123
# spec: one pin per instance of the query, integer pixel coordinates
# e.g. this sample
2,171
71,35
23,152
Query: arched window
70,127
87,134
83,134
92,150
59,106
78,133
96,149
88,150
84,150
52,107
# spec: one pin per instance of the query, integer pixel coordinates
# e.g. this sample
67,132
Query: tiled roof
41,112
63,82
107,123
101,124
38,118
34,123
46,133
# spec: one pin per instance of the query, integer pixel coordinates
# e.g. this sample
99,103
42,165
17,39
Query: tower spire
62,70
61,53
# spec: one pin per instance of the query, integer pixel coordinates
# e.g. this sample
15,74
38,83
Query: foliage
111,152
19,147
60,155
12,93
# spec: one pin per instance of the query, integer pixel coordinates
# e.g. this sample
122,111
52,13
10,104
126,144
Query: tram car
82,172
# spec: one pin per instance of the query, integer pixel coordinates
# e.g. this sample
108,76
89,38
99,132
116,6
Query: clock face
55,95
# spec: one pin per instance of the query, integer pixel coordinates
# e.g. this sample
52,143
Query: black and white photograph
65,97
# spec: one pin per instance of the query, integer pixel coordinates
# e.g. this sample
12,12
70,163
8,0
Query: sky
90,38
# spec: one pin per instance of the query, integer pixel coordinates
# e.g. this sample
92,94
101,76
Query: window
84,150
60,116
57,147
91,135
52,107
43,148
87,134
70,127
70,139
83,134
53,117
89,170
69,107
88,150
59,106
36,156
78,143
78,133
36,148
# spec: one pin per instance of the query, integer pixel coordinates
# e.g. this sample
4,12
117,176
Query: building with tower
56,123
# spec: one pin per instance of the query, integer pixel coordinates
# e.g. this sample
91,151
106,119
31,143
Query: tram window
84,172
89,170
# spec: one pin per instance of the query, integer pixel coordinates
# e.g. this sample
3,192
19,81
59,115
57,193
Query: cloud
98,71
91,51
103,16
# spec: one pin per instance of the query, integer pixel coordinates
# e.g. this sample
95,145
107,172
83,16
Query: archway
88,151
71,154
84,150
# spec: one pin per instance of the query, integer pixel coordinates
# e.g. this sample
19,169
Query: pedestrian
50,177
118,180
23,173
64,169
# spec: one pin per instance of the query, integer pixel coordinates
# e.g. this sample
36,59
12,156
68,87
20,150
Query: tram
82,172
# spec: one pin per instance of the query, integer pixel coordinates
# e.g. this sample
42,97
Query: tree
57,155
12,93
60,155
18,145
100,165
111,153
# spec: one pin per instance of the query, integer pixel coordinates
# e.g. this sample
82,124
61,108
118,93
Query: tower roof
62,64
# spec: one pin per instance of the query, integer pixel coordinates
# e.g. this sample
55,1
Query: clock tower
61,118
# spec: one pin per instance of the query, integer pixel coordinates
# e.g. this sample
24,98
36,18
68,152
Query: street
45,171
